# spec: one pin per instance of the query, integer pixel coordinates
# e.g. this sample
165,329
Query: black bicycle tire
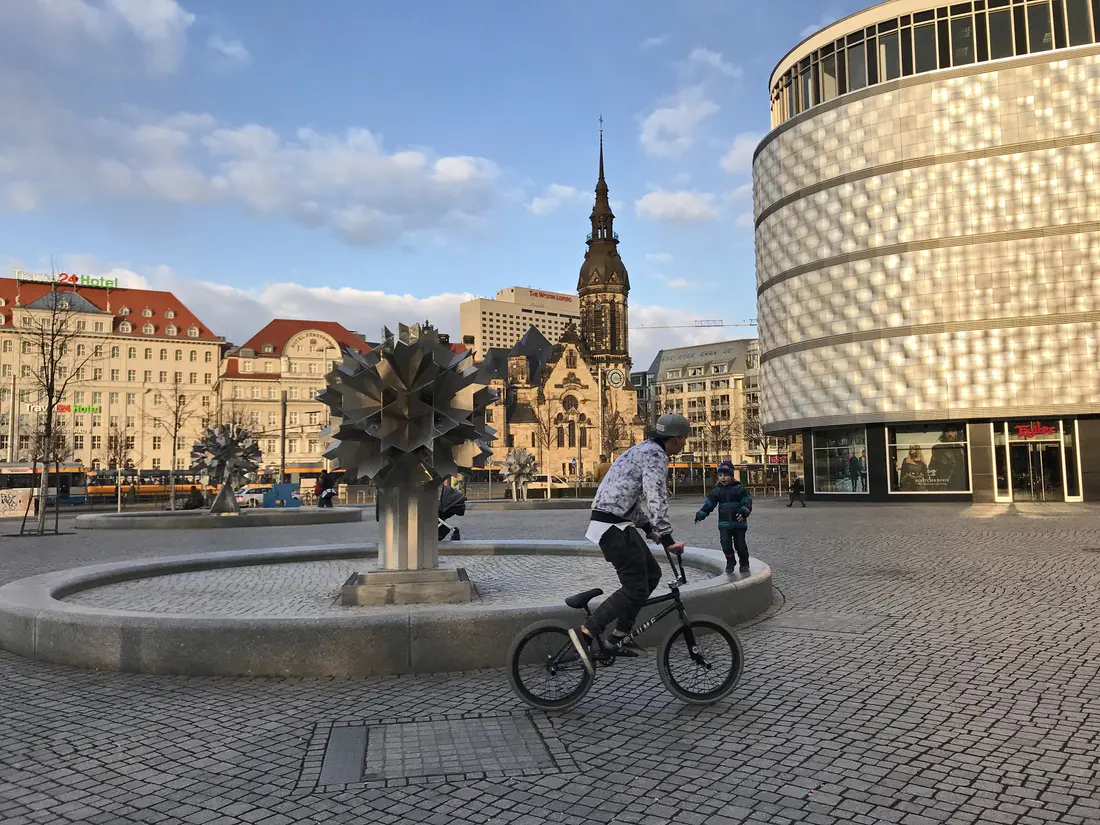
727,686
521,690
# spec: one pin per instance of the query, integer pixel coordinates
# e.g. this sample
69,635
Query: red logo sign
1034,430
551,296
64,408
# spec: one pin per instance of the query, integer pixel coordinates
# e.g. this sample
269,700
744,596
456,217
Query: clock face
616,378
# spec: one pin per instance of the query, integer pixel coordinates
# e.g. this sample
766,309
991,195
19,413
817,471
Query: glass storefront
929,458
1037,461
840,460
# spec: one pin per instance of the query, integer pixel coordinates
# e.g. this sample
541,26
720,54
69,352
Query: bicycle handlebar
681,577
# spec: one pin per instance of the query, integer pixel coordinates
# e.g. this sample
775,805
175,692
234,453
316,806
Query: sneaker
630,650
731,565
583,644
744,568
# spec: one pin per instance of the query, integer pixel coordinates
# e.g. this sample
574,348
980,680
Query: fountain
518,471
226,454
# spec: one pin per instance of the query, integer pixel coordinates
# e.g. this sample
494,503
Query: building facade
134,371
282,368
569,399
499,323
927,244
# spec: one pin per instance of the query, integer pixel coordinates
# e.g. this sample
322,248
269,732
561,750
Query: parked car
539,482
252,495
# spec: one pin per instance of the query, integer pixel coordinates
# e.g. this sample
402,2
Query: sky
379,162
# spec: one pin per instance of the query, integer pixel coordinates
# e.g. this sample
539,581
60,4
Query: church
570,402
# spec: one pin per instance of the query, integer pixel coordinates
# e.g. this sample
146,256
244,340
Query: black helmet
671,425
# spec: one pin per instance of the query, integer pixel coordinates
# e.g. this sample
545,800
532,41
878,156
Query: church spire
603,219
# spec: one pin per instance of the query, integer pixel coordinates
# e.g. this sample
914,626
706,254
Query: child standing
734,507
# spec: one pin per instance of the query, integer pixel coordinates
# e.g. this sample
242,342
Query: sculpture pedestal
442,585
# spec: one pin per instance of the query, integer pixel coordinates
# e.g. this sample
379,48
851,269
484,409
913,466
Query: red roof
281,330
137,301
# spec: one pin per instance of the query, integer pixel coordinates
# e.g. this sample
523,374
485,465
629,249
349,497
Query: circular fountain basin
202,520
275,612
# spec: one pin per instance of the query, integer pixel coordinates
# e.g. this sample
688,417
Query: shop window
1039,31
1000,34
962,41
1080,28
929,458
840,460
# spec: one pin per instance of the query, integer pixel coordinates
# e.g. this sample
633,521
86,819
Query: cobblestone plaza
922,663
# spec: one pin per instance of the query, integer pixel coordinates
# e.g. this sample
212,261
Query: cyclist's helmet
671,425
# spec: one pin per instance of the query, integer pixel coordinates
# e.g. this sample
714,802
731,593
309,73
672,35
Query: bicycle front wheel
544,668
703,672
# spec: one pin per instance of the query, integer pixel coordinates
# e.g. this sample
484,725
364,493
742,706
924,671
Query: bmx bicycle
699,662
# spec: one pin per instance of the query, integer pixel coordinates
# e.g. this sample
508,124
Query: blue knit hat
726,468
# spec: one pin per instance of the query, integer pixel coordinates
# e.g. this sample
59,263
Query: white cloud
826,19
556,196
659,257
740,192
653,42
676,206
349,182
231,49
739,157
669,130
704,60
746,220
676,283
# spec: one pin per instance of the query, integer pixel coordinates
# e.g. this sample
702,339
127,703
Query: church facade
571,401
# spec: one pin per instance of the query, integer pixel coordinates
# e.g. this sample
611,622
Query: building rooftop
721,351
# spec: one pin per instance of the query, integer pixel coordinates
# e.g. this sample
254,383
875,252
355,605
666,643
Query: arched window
131,352
572,434
164,355
170,329
561,436
194,356
124,311
115,352
149,353
125,327
147,313
571,360
168,313
569,403
192,332
179,355
148,329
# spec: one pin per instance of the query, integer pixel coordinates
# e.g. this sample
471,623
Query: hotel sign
65,279
550,296
79,408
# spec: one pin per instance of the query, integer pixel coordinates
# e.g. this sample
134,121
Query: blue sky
374,162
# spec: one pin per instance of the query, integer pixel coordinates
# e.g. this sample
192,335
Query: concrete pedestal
441,585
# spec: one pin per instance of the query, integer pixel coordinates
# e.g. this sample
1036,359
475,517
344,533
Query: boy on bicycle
734,508
631,505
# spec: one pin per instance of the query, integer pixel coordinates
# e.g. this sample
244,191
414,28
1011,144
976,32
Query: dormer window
123,312
268,348
147,313
170,329
125,327
192,332
168,313
148,329
246,365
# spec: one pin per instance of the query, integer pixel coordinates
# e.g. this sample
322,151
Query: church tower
603,286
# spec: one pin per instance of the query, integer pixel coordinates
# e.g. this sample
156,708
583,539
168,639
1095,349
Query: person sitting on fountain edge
734,508
630,505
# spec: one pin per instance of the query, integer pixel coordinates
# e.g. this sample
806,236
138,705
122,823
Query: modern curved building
928,252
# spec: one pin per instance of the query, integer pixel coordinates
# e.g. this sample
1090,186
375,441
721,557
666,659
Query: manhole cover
365,754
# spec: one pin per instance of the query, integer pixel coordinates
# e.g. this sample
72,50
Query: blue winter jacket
731,502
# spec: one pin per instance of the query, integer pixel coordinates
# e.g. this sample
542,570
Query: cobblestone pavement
313,588
923,664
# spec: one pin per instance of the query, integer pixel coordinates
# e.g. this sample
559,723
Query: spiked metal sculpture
411,413
518,471
225,453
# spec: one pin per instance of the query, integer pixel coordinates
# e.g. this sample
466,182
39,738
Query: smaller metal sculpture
226,454
518,471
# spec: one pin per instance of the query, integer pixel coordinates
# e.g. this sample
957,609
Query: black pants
324,501
797,495
734,538
638,573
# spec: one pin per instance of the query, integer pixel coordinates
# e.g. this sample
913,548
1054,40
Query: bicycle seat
581,600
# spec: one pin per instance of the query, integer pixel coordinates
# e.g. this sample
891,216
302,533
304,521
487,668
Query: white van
539,482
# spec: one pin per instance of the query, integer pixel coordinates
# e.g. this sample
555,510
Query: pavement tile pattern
922,664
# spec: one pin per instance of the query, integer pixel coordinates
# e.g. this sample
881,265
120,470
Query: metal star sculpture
226,453
518,471
411,413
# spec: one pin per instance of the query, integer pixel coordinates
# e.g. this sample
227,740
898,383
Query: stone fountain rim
204,520
36,623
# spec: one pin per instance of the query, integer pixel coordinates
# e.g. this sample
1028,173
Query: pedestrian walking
734,508
325,489
796,491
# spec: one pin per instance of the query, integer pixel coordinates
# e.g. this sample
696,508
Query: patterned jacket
635,489
731,501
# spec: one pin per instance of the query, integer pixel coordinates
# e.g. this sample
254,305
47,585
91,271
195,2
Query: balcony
614,236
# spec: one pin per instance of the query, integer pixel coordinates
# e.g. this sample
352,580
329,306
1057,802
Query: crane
751,322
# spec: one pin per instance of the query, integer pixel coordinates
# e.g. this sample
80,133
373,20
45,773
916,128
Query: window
78,398
237,392
1039,32
169,313
147,313
115,374
114,420
268,348
272,394
131,399
962,41
115,352
292,445
7,346
272,418
840,460
1000,34
561,436
192,332
206,400
929,458
179,355
192,378
246,365
292,419
177,377
81,350
97,420
674,374
293,393
206,378
170,329
889,57
163,377
98,351
571,360
164,355
569,403
78,421
147,375
314,418
124,311
269,365
97,374
148,329
130,440
78,442
208,356
97,398
131,352
181,442
156,463
97,443
131,375
857,67
1077,14
156,442
255,393
830,88
98,326
270,446
112,398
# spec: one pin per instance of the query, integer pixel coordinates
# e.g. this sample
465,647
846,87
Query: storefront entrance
1037,461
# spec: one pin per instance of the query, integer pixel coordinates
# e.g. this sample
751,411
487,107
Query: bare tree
49,452
178,410
48,336
616,432
120,448
546,410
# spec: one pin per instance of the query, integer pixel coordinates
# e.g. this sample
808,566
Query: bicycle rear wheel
709,672
544,668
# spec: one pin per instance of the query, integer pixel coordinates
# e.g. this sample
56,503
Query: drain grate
428,750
